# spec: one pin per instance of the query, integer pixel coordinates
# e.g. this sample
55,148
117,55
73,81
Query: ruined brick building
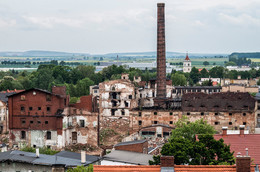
35,117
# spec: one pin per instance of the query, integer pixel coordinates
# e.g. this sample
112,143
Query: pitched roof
127,168
38,89
73,155
129,157
48,160
240,143
130,142
187,57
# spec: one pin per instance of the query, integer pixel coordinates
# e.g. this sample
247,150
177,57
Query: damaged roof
130,142
215,102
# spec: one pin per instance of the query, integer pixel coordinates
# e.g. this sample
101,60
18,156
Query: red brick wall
141,147
85,103
35,115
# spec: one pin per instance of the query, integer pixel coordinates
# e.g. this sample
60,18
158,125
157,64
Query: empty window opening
30,108
139,122
188,113
159,135
46,122
22,108
155,113
23,121
155,122
244,114
216,113
123,112
31,122
148,133
22,97
48,135
114,103
23,135
48,97
39,122
202,113
244,123
82,123
230,114
170,113
230,123
216,123
126,104
130,96
113,112
39,108
34,146
48,109
140,114
171,122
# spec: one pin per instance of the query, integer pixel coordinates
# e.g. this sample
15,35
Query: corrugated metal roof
130,142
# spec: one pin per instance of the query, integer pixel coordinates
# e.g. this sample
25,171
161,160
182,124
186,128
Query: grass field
255,60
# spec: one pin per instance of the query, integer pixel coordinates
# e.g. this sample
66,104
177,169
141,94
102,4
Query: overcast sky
106,26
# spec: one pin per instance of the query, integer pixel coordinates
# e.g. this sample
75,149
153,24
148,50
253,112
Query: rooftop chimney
167,161
37,152
83,157
161,59
242,130
243,163
224,131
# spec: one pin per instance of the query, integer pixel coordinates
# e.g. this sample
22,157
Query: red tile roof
187,57
156,168
240,143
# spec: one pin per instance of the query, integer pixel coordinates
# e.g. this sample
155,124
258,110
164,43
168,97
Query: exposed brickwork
140,147
85,103
161,59
167,161
243,164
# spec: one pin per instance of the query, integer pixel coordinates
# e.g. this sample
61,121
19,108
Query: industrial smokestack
161,59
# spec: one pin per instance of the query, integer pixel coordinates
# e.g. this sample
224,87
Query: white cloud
7,23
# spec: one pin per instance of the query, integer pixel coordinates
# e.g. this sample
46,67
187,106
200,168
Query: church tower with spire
187,64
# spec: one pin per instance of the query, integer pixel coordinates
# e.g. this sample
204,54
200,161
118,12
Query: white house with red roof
187,64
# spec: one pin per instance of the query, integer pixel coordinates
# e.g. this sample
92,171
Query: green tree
205,150
207,83
217,72
194,75
81,169
205,63
204,73
82,87
178,79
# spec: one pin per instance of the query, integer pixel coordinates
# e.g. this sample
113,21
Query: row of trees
192,78
55,62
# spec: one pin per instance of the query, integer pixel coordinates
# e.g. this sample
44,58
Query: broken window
46,122
140,114
230,114
82,123
216,113
159,135
202,113
113,112
123,112
23,121
148,133
48,135
48,109
244,123
171,122
30,108
244,114
155,122
217,123
114,103
188,113
113,88
126,104
130,96
39,108
22,108
39,122
48,97
155,113
170,113
230,123
22,97
23,135
31,122
141,95
139,122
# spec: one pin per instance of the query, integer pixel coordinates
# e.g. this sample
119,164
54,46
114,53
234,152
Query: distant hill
37,53
247,55
153,54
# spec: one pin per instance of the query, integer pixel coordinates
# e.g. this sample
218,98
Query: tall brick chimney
161,59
